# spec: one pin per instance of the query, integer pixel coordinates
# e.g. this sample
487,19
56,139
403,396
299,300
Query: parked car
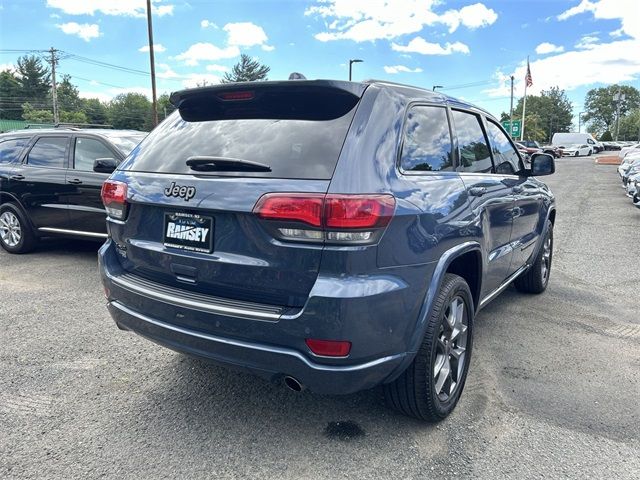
577,150
636,196
626,162
624,151
576,138
611,145
50,182
632,183
534,147
292,229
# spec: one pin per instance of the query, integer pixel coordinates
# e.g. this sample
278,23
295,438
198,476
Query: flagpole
524,102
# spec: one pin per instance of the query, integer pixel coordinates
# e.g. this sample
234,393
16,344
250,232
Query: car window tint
472,144
87,151
427,142
10,149
48,152
505,156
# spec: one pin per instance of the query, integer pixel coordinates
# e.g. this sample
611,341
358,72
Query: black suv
324,234
50,182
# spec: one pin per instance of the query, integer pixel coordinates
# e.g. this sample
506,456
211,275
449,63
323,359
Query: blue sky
470,48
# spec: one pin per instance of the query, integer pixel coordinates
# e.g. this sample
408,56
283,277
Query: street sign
515,127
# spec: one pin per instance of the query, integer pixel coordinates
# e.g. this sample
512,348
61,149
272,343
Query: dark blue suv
325,234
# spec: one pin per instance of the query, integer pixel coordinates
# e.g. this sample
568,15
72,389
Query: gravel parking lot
553,390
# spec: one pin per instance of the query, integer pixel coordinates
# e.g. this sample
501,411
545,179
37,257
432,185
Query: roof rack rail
78,126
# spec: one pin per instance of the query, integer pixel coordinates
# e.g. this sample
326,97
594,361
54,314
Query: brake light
114,198
334,218
245,95
329,348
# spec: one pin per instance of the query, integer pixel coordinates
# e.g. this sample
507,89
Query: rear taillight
114,198
332,218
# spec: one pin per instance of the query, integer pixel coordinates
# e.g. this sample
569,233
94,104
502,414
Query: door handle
477,191
75,181
17,177
518,189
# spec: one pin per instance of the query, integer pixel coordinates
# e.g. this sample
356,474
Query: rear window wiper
223,164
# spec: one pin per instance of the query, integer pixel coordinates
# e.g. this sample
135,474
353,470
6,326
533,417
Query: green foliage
606,136
600,108
95,111
630,126
68,95
130,111
34,78
30,114
246,70
10,104
546,114
165,108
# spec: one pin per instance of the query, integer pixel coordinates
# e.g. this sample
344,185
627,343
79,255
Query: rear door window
10,150
505,155
427,141
472,144
49,152
87,150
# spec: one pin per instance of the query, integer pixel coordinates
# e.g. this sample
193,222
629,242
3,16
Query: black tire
413,393
535,280
27,240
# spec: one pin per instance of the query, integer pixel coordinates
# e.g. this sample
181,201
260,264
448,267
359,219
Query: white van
576,138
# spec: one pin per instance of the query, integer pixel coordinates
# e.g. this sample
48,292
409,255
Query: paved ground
553,391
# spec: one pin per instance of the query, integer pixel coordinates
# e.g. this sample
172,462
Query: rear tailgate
195,230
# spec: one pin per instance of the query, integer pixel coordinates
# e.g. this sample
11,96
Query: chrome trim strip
258,347
73,232
193,304
502,286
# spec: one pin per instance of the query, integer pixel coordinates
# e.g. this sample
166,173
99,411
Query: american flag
527,77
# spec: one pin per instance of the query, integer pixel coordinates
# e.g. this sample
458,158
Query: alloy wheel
10,231
448,369
546,258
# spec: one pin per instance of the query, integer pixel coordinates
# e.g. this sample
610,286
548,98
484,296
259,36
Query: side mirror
542,164
104,165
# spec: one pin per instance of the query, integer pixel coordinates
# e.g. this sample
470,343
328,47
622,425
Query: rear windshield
292,148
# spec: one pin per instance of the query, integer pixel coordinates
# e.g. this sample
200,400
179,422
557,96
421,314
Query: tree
95,111
246,70
31,114
600,108
606,137
165,108
68,96
546,114
10,104
630,126
35,81
130,110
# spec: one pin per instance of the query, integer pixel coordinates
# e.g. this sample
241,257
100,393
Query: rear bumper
270,347
269,362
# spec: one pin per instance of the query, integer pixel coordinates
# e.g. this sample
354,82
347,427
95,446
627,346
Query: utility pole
54,90
618,98
351,62
511,110
154,102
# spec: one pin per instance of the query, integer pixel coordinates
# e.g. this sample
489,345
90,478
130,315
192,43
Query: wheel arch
459,260
6,197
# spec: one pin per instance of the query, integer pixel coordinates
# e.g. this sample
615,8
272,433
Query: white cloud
245,34
268,48
587,42
207,52
85,31
546,48
420,45
128,8
623,10
166,72
217,68
208,24
157,47
364,20
401,68
200,79
102,96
